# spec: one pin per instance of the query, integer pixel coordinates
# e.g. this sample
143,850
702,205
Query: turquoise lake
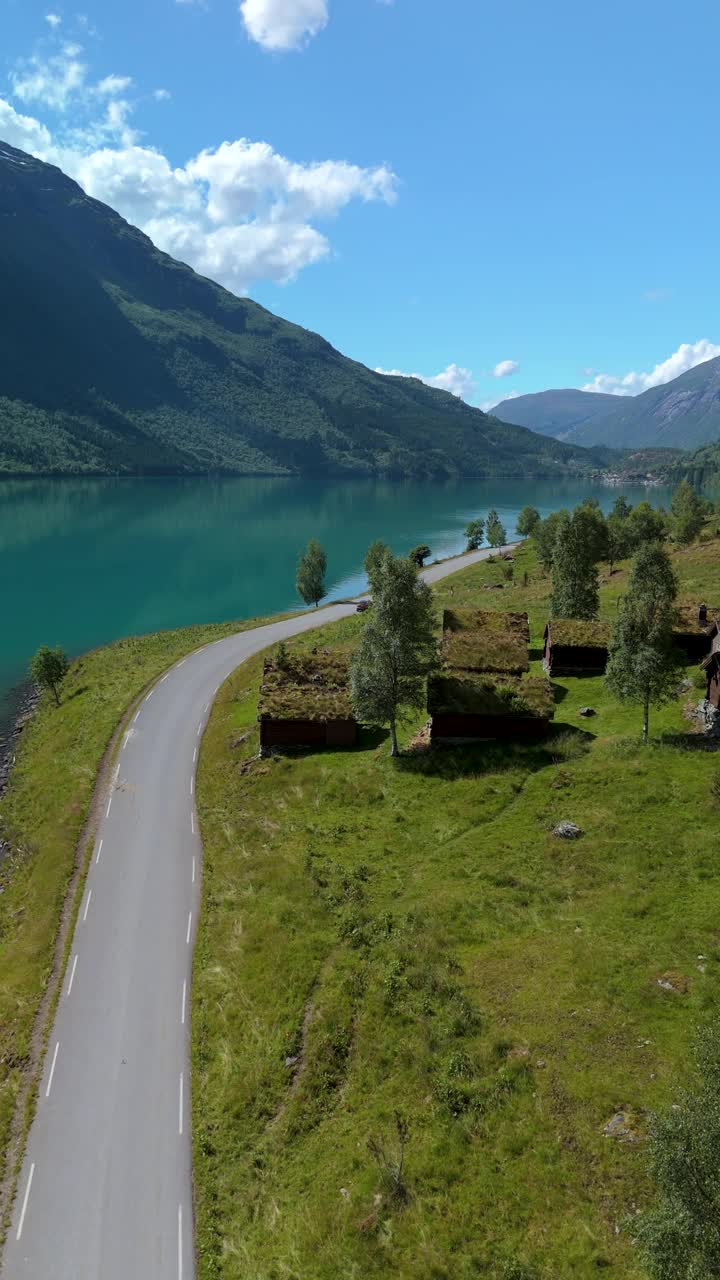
83,562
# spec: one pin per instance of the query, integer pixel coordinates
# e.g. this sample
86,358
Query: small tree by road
575,586
397,649
311,570
527,521
419,554
688,513
643,662
374,556
495,530
48,669
475,533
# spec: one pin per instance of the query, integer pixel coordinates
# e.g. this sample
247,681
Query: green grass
43,814
413,934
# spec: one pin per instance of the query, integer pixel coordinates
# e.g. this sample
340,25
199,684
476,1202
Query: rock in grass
587,711
567,831
675,982
622,1127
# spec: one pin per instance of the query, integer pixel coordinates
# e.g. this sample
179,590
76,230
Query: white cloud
24,132
280,25
454,378
111,86
687,356
505,368
161,95
239,213
52,81
53,19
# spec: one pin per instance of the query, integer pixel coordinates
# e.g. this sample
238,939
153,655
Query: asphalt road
105,1191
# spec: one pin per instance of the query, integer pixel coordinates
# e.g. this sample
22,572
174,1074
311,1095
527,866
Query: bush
680,1237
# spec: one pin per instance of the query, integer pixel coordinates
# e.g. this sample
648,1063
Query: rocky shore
27,700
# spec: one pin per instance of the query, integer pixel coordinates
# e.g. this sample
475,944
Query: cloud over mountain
239,212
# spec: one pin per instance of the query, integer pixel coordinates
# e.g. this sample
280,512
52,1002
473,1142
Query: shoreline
26,698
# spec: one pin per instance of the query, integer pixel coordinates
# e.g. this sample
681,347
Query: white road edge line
167,677
127,739
149,696
187,939
192,783
180,1107
182,664
87,905
182,1011
194,755
72,975
52,1070
199,729
192,821
180,1258
107,815
25,1202
97,856
207,704
193,871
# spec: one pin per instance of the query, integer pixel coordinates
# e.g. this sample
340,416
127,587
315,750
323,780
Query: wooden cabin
695,630
305,702
574,647
486,640
472,707
711,667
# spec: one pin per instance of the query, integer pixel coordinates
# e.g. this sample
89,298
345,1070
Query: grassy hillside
382,937
120,360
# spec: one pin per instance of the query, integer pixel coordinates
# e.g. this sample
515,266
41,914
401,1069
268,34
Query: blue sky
466,185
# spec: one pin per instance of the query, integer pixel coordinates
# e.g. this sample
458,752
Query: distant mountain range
682,414
116,359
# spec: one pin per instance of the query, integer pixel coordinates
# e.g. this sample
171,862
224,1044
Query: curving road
105,1191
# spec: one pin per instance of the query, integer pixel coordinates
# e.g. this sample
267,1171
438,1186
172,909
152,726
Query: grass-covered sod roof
306,687
485,640
488,695
576,633
688,620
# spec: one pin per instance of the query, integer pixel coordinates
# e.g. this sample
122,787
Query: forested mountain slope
114,358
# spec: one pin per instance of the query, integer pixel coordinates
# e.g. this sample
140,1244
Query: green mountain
682,414
116,359
555,413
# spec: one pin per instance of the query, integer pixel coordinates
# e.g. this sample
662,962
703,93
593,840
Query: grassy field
407,937
43,814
